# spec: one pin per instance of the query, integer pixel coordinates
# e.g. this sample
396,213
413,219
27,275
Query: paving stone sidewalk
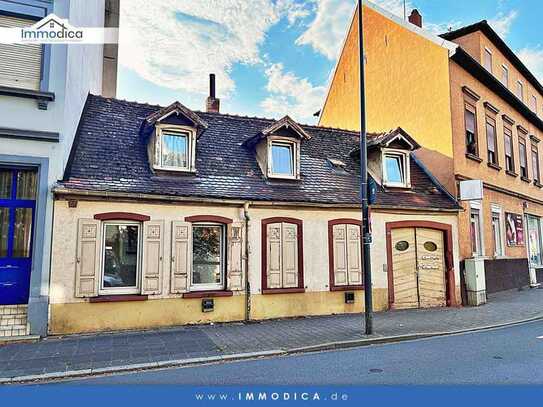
116,349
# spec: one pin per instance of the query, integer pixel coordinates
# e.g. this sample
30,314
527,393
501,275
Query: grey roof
110,155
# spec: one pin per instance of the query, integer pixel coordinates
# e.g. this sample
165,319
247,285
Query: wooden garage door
418,268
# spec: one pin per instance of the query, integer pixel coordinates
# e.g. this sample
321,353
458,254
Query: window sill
119,298
43,98
283,290
208,294
494,166
474,158
346,287
511,173
538,184
525,179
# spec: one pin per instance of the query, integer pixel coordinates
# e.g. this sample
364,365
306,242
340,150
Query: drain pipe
247,250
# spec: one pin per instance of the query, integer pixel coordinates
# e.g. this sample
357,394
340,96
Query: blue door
17,207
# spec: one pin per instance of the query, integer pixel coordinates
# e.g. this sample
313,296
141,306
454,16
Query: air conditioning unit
475,280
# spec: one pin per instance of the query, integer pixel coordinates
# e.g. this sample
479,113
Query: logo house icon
51,29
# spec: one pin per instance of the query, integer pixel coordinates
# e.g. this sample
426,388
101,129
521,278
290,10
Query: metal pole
366,233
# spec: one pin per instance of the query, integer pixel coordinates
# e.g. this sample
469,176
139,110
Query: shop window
534,239
121,251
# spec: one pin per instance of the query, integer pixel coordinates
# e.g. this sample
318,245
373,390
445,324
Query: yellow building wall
407,85
69,314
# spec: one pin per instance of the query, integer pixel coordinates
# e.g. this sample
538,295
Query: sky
276,57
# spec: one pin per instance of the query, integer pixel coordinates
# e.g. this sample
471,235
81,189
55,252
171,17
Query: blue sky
274,57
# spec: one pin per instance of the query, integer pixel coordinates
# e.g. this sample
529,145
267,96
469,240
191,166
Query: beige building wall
69,314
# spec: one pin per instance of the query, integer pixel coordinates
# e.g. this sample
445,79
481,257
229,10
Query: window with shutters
121,251
282,255
20,64
345,254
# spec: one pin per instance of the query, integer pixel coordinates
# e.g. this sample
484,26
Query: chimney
415,18
212,103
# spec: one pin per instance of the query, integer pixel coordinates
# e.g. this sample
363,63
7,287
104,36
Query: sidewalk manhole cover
376,370
497,357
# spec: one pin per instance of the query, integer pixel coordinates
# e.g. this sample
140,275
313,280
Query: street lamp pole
366,232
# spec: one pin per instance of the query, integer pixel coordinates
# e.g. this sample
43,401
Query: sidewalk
158,347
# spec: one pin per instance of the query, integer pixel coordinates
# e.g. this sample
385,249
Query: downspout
247,250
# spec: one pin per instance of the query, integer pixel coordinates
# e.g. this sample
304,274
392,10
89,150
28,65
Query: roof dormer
389,158
171,135
277,149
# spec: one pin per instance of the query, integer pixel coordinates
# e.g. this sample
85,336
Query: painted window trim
189,132
36,10
404,155
264,256
331,224
211,287
208,218
103,291
126,216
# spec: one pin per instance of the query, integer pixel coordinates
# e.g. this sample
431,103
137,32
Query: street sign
471,190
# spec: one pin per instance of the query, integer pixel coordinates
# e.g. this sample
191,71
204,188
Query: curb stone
45,377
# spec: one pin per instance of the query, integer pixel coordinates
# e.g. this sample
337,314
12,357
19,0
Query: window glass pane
470,121
206,254
535,164
121,256
505,76
22,231
282,160
174,150
491,137
394,169
522,153
6,178
4,226
26,184
488,60
534,240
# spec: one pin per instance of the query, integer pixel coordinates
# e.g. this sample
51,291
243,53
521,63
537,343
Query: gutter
88,195
247,251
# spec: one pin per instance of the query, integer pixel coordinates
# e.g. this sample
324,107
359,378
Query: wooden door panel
431,267
404,267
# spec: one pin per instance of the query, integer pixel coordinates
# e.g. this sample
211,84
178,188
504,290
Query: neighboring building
42,92
167,216
497,111
489,110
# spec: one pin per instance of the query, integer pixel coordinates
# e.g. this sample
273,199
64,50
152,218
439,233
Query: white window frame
406,183
521,96
479,237
120,290
505,70
497,210
213,286
486,52
191,147
294,154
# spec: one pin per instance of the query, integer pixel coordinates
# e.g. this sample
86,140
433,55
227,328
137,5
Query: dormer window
396,169
173,149
171,134
282,159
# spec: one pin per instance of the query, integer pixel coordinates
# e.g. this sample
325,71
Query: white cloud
502,22
395,6
533,58
327,31
294,10
177,43
291,95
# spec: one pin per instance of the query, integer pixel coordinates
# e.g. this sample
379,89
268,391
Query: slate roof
110,155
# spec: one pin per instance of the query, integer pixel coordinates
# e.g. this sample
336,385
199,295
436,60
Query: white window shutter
181,256
290,255
236,242
354,255
274,256
87,266
20,64
340,254
153,252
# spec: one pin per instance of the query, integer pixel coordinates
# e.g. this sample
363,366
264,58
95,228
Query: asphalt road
512,355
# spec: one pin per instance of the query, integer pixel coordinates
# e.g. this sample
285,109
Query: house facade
497,112
42,92
168,216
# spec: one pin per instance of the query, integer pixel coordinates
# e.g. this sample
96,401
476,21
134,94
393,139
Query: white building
43,89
